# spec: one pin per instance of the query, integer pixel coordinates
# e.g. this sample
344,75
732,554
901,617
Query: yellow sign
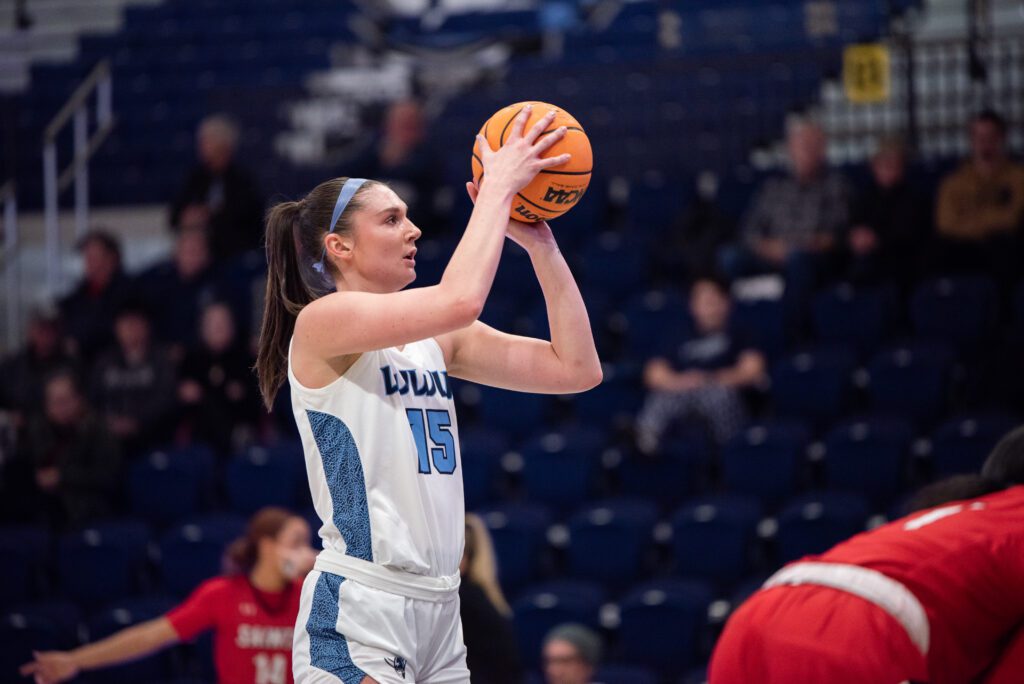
866,73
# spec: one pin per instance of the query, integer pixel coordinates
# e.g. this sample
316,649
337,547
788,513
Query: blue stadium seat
125,614
166,486
762,323
812,385
625,674
610,541
261,477
24,549
845,315
910,381
519,532
678,470
512,412
102,563
481,450
697,676
560,468
543,607
868,457
194,551
962,444
765,460
611,261
650,319
617,397
959,311
815,522
713,538
34,627
661,624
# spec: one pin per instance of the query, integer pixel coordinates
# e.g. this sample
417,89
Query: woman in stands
368,368
251,611
934,597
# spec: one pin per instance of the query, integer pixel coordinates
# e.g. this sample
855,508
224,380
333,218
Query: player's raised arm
355,235
567,363
132,643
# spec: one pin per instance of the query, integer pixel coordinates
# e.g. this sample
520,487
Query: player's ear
339,246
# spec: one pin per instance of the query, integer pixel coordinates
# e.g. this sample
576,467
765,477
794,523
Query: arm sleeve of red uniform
1010,664
197,613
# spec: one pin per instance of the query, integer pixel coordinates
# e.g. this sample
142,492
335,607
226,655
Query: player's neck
266,578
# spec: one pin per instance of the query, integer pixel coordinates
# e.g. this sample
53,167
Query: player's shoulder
221,586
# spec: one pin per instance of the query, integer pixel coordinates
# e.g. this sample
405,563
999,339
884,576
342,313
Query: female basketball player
368,368
252,612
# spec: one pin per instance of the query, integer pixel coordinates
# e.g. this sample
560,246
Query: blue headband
348,191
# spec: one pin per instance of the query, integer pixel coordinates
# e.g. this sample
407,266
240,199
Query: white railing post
55,181
81,171
52,219
12,269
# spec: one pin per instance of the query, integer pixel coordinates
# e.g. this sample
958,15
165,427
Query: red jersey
252,640
964,561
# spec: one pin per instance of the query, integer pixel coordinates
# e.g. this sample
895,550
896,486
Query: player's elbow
589,377
465,308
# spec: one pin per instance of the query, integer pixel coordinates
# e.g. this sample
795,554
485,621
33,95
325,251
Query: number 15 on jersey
435,425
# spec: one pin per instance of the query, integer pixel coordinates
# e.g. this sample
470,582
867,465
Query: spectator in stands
794,223
980,209
24,373
695,237
571,654
218,194
889,221
88,312
75,460
176,289
251,611
401,157
491,651
133,383
217,389
700,377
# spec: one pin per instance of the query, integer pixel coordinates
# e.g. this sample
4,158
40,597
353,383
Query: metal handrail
9,200
75,111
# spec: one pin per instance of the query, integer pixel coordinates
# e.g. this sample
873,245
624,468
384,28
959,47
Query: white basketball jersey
382,454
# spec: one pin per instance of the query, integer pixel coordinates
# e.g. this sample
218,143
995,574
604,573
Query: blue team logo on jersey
398,664
421,383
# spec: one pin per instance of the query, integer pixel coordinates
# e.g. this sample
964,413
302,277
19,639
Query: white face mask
295,563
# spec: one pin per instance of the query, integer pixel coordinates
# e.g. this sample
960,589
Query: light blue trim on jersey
328,649
344,473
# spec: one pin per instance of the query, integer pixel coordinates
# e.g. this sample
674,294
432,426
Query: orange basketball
556,190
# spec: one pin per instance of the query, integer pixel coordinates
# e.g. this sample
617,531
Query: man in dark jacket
218,194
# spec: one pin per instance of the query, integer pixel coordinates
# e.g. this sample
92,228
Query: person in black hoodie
889,222
218,194
217,387
88,312
133,383
25,372
491,650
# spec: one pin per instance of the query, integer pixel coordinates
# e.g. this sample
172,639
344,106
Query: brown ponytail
243,553
294,241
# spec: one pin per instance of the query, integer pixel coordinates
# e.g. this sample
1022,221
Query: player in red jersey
933,597
251,611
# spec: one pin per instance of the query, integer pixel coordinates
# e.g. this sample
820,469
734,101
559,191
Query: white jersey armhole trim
326,388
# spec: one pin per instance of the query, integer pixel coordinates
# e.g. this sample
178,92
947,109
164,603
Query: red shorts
810,633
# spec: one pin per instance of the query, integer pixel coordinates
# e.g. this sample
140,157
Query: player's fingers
520,122
540,127
29,669
472,191
554,161
485,147
546,141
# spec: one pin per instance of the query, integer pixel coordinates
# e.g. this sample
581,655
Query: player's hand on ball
50,667
519,160
526,235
